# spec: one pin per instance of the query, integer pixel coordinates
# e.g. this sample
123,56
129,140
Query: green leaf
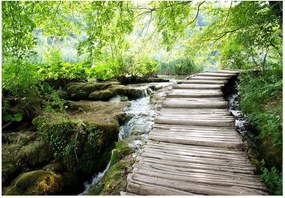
18,117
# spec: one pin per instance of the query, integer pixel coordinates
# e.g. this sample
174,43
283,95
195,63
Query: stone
38,182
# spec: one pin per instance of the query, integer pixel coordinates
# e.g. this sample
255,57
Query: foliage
107,24
273,179
182,66
51,101
247,34
53,67
261,101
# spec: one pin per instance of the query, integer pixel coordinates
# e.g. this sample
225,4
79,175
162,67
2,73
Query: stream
141,114
241,123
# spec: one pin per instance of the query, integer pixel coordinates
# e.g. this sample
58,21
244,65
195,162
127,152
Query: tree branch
225,33
197,13
226,20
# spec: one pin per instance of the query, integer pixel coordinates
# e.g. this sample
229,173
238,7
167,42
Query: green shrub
273,179
261,101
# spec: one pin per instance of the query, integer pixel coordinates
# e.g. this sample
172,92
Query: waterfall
97,179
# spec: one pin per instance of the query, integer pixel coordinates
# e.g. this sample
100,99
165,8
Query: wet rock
79,91
139,79
101,91
103,95
22,151
39,182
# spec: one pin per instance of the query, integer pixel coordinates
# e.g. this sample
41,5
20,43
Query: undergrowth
261,101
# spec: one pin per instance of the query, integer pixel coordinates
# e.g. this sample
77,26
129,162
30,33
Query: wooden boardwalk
193,148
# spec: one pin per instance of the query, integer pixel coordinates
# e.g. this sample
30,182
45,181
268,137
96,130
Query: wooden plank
195,105
198,142
203,178
200,122
201,128
179,111
198,116
198,148
196,165
235,72
208,78
197,153
142,188
196,134
215,74
196,86
198,169
220,82
196,188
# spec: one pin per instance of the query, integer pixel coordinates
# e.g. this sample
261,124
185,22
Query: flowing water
241,123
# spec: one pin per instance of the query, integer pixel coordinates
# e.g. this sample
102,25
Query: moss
121,150
23,151
18,137
115,179
139,79
54,167
82,90
103,95
270,153
37,182
80,137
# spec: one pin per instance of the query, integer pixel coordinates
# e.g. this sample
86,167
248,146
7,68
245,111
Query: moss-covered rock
23,151
101,91
39,182
103,95
80,137
78,91
139,79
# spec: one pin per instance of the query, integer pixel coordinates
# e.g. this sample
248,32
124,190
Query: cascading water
97,179
241,122
142,116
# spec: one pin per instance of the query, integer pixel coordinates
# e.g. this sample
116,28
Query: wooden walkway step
193,148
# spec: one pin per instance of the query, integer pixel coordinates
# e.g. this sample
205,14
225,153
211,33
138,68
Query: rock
101,91
80,137
39,182
22,151
103,95
78,91
139,79
54,167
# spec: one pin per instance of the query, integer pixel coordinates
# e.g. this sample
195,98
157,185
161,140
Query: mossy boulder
139,79
78,91
103,95
101,91
39,182
80,137
115,90
23,151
